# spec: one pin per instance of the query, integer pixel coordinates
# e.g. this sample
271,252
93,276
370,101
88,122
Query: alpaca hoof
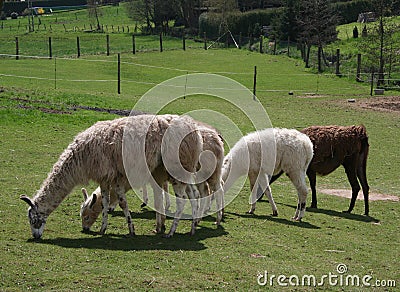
347,212
313,206
297,219
143,205
274,213
167,235
130,235
251,212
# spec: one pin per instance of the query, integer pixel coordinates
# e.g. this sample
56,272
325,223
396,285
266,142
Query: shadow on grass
350,216
300,224
138,242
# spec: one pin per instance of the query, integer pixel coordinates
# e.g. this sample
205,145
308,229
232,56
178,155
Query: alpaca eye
86,218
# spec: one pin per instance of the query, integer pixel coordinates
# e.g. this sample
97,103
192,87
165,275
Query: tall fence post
133,44
205,41
240,40
338,62
119,73
161,47
372,82
108,44
78,46
358,76
16,48
50,49
184,42
254,82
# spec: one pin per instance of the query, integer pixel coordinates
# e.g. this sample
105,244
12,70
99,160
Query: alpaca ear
28,201
85,194
93,201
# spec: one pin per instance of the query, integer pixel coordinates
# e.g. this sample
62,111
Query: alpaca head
90,208
36,219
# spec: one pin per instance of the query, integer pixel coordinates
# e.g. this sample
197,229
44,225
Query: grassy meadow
42,108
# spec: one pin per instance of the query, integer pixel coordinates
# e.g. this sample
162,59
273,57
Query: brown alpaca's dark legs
350,168
362,176
312,177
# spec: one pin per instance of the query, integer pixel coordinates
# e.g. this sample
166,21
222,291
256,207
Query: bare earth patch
384,103
372,196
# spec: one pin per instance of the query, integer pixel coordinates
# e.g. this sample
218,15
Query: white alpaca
97,154
91,206
267,152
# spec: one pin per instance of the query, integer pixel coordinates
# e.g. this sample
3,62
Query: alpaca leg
253,197
194,196
205,198
166,196
299,181
362,176
181,196
105,200
145,197
219,199
263,183
124,206
159,207
350,168
312,177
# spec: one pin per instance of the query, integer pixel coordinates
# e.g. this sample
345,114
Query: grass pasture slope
41,113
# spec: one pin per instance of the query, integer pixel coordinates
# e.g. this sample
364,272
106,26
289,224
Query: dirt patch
387,103
372,196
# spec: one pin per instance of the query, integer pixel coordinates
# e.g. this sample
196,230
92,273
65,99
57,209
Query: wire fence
121,74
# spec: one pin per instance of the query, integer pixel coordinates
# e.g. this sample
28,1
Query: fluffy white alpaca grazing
267,152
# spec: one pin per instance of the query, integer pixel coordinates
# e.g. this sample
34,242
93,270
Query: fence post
261,44
161,48
240,40
16,48
78,46
372,82
119,73
254,82
184,42
358,76
133,44
108,44
50,49
338,62
205,41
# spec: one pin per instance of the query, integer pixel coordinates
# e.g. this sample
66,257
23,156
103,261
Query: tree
94,12
155,13
317,22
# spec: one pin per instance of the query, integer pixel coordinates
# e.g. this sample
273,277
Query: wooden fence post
372,82
358,76
240,40
78,46
161,47
50,49
16,48
119,73
338,62
108,44
205,41
184,42
133,44
254,82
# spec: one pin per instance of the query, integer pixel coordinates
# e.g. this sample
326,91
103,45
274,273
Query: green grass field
41,115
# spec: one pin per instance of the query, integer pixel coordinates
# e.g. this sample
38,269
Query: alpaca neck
59,183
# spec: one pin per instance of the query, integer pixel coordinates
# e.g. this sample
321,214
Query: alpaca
91,206
212,141
211,185
97,154
267,152
335,146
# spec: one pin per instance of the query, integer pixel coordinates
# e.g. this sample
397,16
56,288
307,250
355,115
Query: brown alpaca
335,146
